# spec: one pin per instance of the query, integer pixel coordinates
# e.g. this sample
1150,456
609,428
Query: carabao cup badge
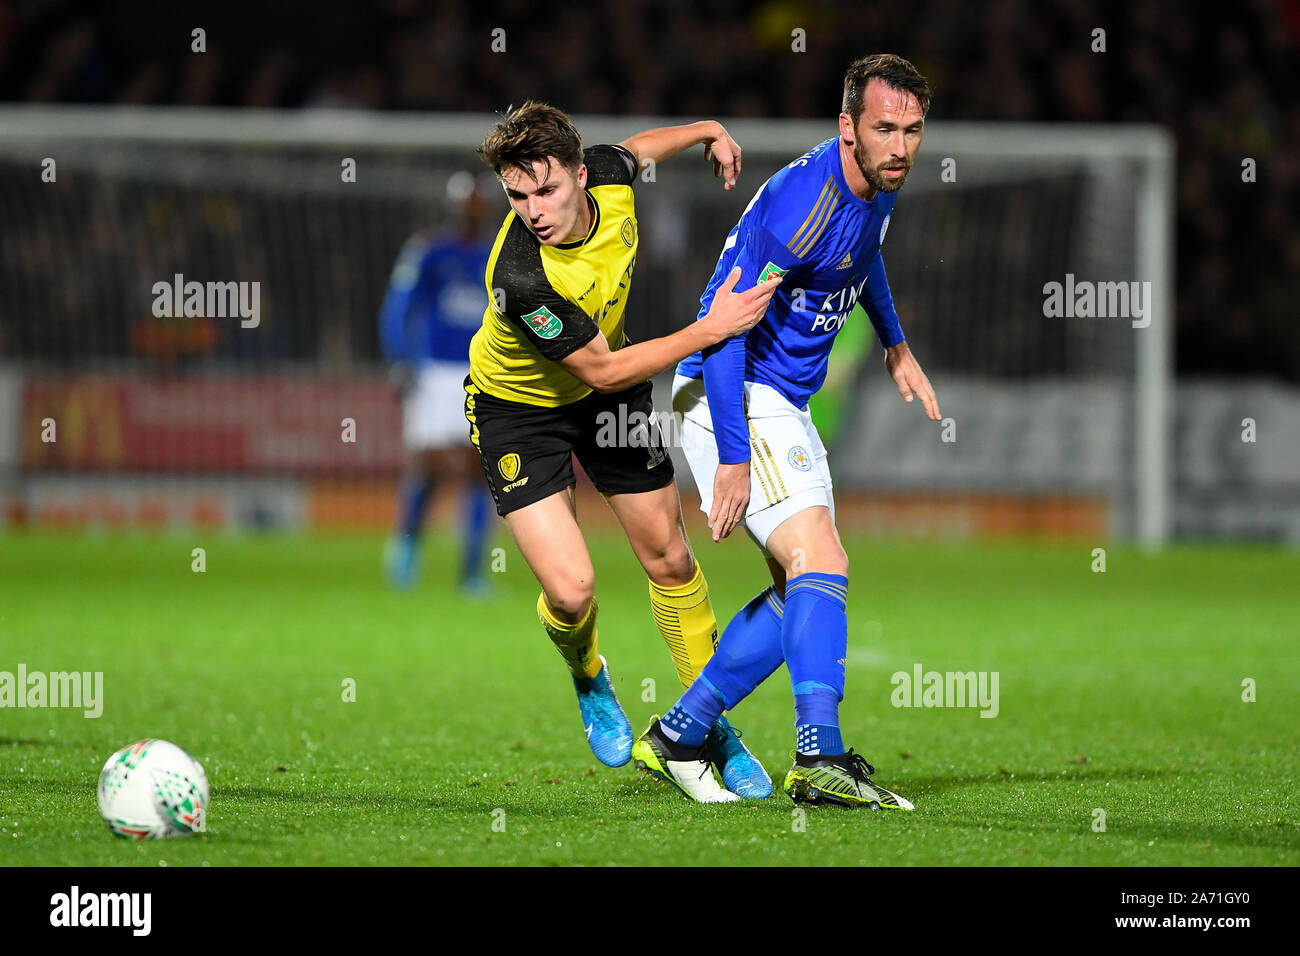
545,323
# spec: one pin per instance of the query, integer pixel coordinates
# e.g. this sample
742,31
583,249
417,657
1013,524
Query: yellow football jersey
545,302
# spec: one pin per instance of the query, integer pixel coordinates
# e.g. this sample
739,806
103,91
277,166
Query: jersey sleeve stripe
811,240
812,215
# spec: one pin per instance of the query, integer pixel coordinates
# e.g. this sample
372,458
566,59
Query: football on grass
152,790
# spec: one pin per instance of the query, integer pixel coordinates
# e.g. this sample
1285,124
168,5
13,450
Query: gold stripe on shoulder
811,215
811,239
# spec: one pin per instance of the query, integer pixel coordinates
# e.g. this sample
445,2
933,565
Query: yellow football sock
685,618
575,642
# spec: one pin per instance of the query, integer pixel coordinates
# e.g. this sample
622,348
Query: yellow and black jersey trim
609,166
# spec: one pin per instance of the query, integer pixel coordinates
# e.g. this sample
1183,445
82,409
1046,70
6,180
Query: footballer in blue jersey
432,309
752,446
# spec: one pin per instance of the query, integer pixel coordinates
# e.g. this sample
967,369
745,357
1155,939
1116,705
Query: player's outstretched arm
731,314
658,144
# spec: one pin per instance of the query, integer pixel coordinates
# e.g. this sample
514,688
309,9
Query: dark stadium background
1223,79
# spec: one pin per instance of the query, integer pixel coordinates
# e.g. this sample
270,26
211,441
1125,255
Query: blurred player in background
433,308
756,455
552,360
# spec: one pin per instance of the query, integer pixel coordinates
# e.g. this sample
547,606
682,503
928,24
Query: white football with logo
152,790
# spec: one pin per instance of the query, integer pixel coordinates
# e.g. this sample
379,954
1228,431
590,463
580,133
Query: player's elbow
604,377
594,379
609,384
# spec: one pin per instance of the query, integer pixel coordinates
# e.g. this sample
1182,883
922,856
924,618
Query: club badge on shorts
799,458
509,466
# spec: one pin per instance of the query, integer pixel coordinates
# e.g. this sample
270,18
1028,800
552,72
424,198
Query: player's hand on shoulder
725,155
734,313
911,381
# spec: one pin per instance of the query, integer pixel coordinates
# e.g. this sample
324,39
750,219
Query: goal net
1056,403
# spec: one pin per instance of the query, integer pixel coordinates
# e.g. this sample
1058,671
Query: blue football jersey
435,301
807,226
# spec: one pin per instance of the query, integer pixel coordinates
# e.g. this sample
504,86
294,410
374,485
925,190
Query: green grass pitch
1118,691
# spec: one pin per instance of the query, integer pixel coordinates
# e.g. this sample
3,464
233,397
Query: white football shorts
787,460
433,411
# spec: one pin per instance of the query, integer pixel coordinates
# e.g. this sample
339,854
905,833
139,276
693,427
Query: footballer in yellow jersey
551,359
547,300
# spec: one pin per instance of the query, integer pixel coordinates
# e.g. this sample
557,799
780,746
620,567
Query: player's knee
671,565
826,559
572,597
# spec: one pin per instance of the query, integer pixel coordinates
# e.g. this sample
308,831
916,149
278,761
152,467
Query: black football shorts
527,450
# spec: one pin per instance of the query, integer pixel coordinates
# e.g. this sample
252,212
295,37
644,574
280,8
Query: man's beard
876,181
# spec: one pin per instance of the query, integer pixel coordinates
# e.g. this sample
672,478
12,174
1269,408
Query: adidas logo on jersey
846,262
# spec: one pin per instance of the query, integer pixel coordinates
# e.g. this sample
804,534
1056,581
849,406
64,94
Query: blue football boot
742,774
608,730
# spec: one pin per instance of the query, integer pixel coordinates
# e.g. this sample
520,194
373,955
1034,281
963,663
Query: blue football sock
748,652
689,720
814,639
749,649
477,516
817,722
413,498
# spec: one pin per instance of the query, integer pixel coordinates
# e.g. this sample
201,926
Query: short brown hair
532,133
893,71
